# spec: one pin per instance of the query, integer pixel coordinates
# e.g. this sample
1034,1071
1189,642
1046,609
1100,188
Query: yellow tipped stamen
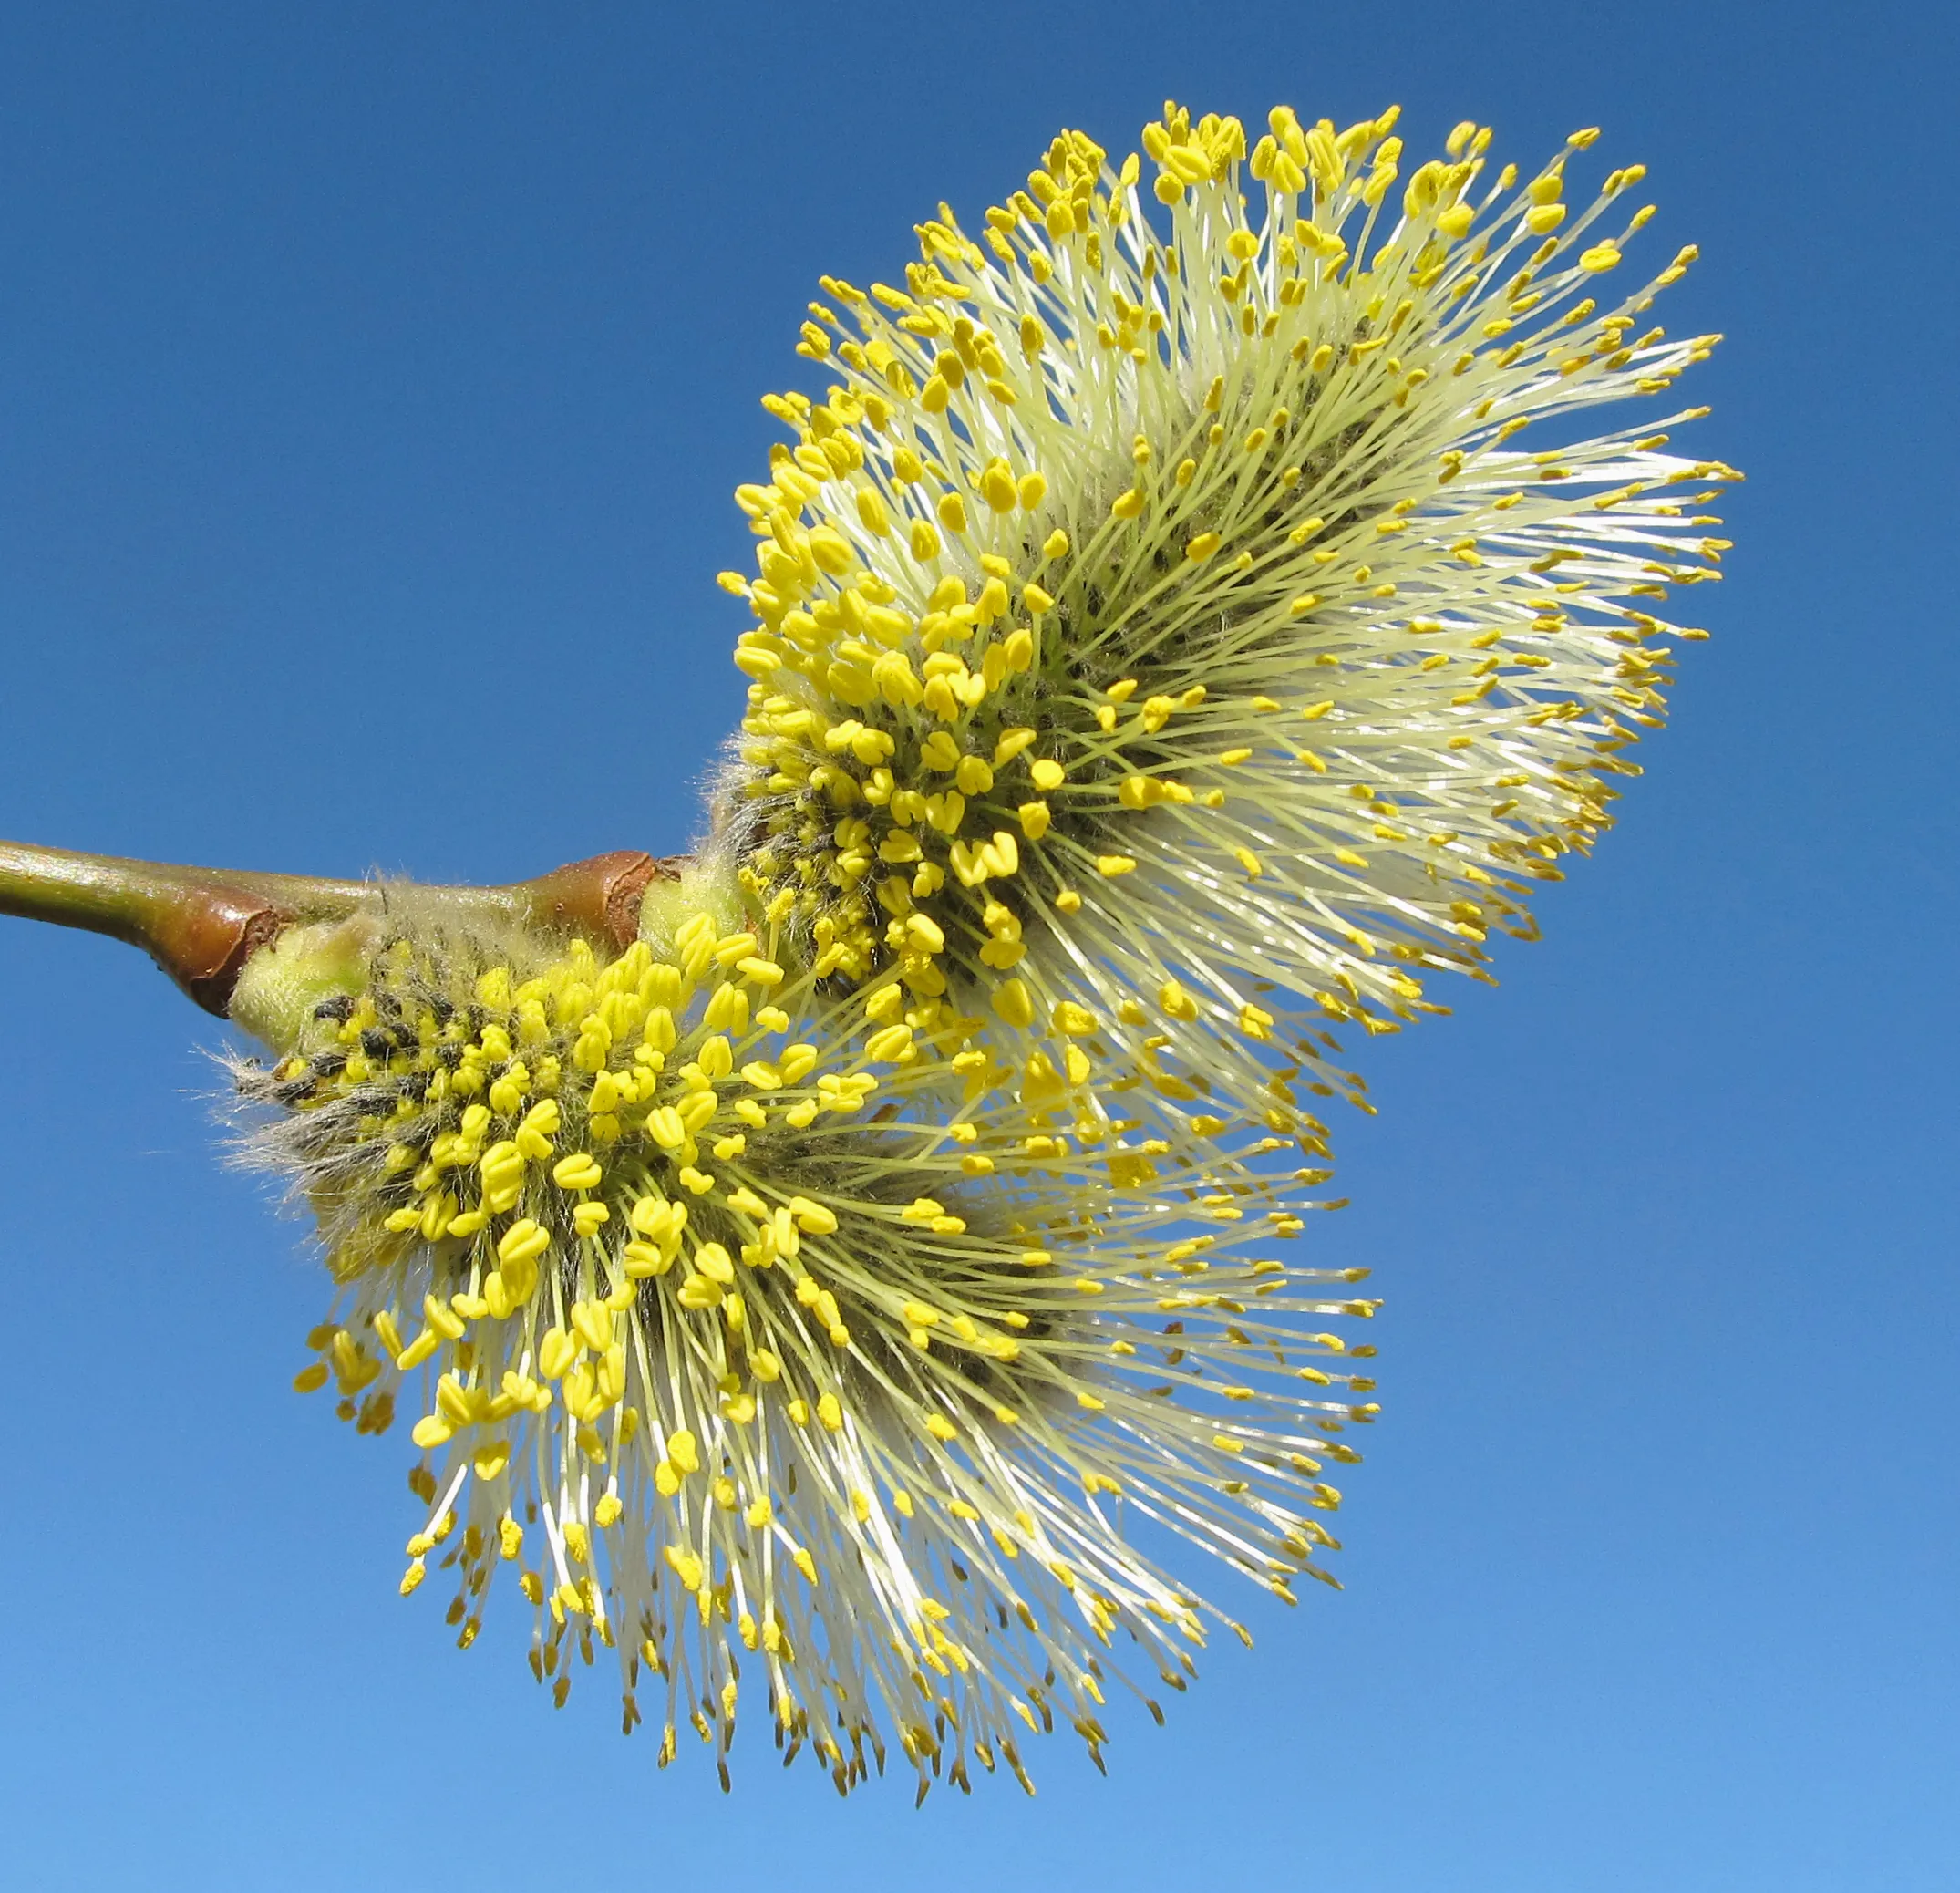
824,1279
774,1356
1258,461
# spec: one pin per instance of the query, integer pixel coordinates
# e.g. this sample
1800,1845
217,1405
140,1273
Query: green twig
202,925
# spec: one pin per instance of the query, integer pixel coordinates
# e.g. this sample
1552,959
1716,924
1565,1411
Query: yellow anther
556,1353
1014,1003
812,1218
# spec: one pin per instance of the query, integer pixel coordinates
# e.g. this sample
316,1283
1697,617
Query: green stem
202,925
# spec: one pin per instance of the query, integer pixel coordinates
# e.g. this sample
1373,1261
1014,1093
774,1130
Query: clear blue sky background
373,378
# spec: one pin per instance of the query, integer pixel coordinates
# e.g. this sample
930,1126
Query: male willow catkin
1152,618
1163,655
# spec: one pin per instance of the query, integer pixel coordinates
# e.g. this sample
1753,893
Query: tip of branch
201,925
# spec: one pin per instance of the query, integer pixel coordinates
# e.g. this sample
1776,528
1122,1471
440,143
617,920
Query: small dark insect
339,1007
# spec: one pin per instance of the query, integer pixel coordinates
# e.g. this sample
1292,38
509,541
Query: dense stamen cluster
749,1329
1163,655
1156,613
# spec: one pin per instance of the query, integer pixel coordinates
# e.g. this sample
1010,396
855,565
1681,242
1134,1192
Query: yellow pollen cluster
1163,653
1156,599
746,1321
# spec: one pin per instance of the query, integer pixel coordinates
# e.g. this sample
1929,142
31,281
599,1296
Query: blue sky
373,380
